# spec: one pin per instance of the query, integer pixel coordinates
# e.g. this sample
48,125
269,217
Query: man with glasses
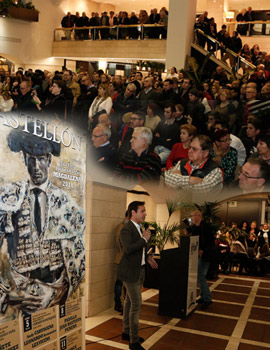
254,175
25,102
199,172
104,153
137,119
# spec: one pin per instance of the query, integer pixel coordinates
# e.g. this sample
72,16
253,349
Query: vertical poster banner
42,224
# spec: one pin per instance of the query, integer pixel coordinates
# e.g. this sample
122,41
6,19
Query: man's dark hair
205,142
220,133
224,124
140,73
140,114
169,80
134,206
224,26
69,72
171,106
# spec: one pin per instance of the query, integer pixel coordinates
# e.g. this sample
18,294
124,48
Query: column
180,32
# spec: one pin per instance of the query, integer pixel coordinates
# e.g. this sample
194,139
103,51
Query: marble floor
238,319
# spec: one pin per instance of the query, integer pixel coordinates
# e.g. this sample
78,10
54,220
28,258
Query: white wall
255,4
30,43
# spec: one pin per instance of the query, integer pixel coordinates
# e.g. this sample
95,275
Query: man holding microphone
131,270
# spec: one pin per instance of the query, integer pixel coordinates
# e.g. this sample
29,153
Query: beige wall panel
141,49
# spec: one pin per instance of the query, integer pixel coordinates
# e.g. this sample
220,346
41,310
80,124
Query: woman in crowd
152,119
59,104
105,78
173,73
224,155
265,232
101,104
226,108
262,255
263,147
214,93
180,150
239,251
244,226
113,90
8,84
246,53
6,102
207,94
255,53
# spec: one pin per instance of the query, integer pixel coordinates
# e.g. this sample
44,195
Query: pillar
180,31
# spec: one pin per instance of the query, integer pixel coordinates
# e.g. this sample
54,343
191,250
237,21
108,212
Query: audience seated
240,106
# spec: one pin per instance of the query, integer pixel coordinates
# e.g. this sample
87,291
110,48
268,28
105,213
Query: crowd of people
109,23
196,137
246,246
232,42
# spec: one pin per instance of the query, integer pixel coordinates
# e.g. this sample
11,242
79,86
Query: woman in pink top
180,150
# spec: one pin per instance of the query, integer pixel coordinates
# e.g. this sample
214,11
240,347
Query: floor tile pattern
238,319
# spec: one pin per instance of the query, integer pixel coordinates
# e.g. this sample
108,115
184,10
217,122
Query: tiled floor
238,319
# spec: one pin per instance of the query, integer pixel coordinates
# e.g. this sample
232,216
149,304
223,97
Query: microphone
146,226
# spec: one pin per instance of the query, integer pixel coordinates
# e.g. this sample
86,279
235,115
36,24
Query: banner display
42,223
72,341
70,316
10,336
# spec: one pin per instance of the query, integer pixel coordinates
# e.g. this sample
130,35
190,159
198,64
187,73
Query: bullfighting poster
42,224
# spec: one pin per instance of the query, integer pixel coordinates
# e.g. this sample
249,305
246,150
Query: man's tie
37,210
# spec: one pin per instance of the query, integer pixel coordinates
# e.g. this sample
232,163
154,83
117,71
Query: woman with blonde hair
6,102
101,104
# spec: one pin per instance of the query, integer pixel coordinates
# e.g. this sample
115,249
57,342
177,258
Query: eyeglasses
196,149
225,141
246,176
96,136
84,80
135,118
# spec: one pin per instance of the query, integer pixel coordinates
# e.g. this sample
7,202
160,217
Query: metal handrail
249,25
118,26
218,46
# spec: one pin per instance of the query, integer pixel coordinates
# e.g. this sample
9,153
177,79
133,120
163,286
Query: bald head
104,119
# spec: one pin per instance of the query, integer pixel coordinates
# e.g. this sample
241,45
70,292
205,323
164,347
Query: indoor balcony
71,43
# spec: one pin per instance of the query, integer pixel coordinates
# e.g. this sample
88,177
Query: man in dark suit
132,270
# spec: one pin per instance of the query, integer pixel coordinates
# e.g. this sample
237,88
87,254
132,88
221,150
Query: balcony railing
250,28
118,32
239,60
